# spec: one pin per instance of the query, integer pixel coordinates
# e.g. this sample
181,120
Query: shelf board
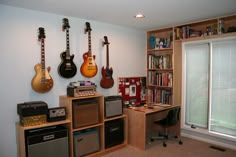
87,127
156,86
161,49
116,117
208,37
157,69
45,125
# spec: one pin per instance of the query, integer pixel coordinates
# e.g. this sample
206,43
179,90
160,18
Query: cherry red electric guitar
89,67
107,80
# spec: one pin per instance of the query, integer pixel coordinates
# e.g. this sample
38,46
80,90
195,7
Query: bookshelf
210,28
160,66
164,55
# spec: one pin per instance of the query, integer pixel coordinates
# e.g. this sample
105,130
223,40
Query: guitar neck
89,44
67,44
42,55
107,56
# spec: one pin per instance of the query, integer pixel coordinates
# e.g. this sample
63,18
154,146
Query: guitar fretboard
67,44
42,55
89,44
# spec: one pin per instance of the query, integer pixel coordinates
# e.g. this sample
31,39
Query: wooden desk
141,125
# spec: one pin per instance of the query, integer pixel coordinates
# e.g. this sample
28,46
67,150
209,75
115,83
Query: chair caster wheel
164,145
180,142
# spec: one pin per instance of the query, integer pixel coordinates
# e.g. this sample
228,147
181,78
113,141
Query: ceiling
158,13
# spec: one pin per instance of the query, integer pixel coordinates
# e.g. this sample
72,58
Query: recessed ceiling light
139,16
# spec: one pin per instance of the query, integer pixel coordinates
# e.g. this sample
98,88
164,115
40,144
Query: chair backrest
173,116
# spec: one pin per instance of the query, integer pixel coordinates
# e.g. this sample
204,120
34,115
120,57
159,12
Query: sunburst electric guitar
67,68
107,80
42,82
89,67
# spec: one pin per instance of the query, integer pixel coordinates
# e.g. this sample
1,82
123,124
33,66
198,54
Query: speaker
86,141
47,142
114,132
82,111
113,106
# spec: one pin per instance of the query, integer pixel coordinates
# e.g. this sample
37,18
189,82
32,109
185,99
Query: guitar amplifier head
113,106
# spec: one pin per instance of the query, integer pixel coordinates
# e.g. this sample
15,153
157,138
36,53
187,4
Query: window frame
206,131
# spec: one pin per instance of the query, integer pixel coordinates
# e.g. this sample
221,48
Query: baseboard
209,139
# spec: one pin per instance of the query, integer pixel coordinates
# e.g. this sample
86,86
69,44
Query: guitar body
107,80
67,68
89,67
42,82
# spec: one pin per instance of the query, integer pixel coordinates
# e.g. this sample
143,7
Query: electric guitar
107,80
42,82
89,67
67,67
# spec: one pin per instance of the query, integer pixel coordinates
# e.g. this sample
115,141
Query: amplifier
33,120
113,106
47,142
85,112
56,114
81,91
114,132
86,142
32,108
32,113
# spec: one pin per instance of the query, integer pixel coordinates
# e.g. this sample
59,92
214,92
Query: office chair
171,119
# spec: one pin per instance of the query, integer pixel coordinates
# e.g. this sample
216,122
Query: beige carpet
190,148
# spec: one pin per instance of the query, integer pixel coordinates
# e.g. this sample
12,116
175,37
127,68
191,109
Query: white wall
20,51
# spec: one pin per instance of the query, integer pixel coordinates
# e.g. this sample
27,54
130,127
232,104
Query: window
223,101
210,86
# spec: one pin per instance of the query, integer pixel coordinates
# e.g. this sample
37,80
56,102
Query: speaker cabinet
114,132
85,112
113,106
86,142
47,142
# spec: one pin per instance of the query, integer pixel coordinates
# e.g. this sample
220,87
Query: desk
141,126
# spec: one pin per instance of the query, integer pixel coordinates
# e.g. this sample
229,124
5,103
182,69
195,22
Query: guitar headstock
106,41
41,33
88,28
65,24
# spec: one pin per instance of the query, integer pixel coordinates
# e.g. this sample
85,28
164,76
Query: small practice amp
114,132
113,106
47,142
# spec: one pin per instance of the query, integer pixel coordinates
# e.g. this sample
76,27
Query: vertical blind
197,58
210,87
223,106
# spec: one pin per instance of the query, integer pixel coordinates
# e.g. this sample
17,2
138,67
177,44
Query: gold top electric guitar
89,67
42,82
